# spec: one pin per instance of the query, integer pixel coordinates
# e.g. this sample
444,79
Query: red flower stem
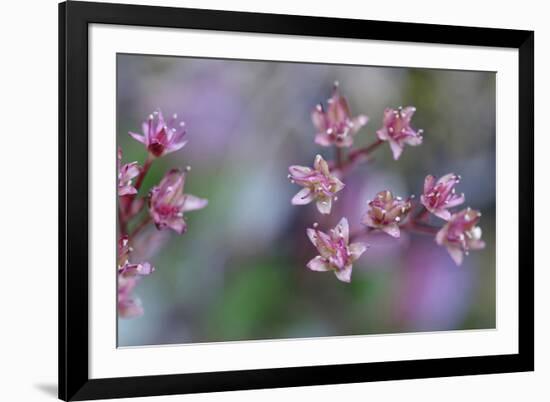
355,156
139,181
144,170
339,157
139,227
364,151
121,221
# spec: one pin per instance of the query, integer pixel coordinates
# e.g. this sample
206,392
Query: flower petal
396,149
303,197
319,119
318,264
443,214
456,254
357,249
429,183
192,203
345,274
392,229
299,172
343,229
324,205
138,137
323,139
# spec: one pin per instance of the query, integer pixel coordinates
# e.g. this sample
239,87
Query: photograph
269,200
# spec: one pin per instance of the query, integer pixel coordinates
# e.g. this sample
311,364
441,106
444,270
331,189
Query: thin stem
144,170
121,221
339,157
139,181
146,220
356,156
364,151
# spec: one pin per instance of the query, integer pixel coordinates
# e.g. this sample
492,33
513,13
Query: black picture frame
74,19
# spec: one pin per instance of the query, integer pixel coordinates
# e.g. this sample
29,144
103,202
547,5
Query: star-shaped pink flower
386,213
335,252
461,234
167,202
396,129
318,185
336,126
161,136
440,195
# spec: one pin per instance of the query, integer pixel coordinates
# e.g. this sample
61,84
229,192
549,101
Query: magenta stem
139,181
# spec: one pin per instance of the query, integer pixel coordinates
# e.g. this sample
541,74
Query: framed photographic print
256,200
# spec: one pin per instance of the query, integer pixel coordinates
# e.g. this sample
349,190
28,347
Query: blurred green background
239,272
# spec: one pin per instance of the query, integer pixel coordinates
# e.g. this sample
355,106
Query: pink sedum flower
126,173
161,137
168,203
440,195
129,274
386,213
336,126
335,252
461,234
318,185
396,129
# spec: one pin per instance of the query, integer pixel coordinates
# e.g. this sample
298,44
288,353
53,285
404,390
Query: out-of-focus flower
336,254
386,213
461,234
319,185
126,173
129,275
336,126
397,130
167,202
440,195
160,136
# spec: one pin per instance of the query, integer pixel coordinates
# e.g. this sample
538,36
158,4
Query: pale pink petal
441,235
338,185
138,137
193,203
299,172
321,165
343,229
312,235
318,119
429,182
356,249
176,146
396,149
303,197
476,244
126,190
456,254
323,139
178,225
358,122
345,274
325,205
408,112
318,264
453,202
443,214
367,220
392,230
383,134
413,140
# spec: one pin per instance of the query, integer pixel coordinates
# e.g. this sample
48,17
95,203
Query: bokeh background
239,272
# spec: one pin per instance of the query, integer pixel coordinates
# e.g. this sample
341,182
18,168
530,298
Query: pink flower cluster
166,203
335,126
